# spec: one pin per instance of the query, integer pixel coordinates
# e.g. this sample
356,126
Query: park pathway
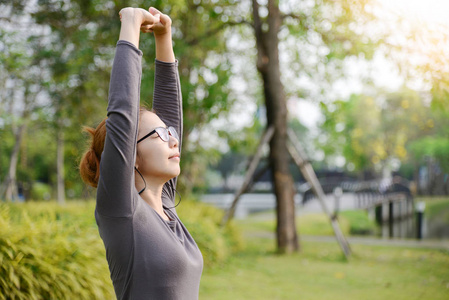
370,241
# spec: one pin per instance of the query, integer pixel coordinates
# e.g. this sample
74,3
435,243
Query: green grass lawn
320,272
311,224
436,207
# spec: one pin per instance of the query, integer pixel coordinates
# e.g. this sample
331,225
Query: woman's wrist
131,16
164,48
164,44
130,28
163,38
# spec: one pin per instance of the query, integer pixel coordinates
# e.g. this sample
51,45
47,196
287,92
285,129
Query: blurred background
365,84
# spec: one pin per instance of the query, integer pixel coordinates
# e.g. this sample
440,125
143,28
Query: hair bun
90,168
90,162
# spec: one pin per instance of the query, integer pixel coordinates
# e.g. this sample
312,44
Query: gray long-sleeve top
148,257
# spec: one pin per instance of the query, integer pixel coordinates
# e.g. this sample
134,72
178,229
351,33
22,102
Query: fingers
145,18
139,15
164,19
146,28
154,11
150,19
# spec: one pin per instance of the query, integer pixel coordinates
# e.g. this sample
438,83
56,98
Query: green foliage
371,131
326,32
53,252
40,191
73,52
74,57
432,146
359,222
436,207
205,71
215,242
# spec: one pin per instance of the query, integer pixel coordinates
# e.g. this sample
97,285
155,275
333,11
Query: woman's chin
175,173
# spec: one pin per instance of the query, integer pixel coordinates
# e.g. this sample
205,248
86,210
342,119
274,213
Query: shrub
359,222
46,256
203,222
40,190
52,252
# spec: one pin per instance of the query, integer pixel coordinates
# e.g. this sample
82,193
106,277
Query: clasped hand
149,21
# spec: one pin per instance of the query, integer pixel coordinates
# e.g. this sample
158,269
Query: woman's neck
153,196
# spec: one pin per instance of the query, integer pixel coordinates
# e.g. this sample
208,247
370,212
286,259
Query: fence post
338,192
390,218
420,207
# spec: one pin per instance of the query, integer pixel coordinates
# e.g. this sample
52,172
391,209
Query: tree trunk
268,66
9,188
60,164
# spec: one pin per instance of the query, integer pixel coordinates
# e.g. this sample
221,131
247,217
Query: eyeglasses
163,133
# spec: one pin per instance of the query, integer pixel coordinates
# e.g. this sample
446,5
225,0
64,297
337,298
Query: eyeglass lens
164,133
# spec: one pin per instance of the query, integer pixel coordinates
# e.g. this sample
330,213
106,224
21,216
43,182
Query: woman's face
155,158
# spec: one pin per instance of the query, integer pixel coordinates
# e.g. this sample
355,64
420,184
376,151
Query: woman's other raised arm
162,36
167,99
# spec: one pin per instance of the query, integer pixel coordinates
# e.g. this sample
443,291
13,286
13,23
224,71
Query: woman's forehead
149,121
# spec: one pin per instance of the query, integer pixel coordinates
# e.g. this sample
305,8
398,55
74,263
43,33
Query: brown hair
90,161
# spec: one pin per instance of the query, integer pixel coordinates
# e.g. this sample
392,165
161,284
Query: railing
390,202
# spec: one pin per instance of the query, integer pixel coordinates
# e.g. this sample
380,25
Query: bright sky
419,13
424,10
416,11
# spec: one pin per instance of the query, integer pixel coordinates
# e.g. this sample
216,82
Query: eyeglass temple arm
152,132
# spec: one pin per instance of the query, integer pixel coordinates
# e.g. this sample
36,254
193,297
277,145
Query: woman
150,253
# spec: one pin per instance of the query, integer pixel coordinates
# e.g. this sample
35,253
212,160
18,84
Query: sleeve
167,104
116,192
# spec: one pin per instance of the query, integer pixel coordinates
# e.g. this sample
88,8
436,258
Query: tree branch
300,18
290,15
257,21
262,57
274,19
214,31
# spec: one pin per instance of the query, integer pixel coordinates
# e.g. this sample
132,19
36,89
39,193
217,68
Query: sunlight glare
428,11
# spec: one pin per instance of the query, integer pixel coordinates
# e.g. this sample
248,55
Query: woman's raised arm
162,36
167,100
116,192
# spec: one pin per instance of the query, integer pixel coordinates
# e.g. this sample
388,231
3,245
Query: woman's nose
173,142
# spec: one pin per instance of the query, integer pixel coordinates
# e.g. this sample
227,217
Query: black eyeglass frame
163,133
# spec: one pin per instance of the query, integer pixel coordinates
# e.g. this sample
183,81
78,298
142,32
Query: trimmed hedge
52,252
359,222
203,222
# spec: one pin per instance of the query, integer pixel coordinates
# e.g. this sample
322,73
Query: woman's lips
176,157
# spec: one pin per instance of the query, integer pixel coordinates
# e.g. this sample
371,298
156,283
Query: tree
373,132
19,97
275,101
304,22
